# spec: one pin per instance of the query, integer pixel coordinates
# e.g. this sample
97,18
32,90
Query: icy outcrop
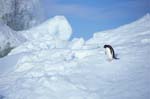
16,15
55,28
9,39
79,69
53,33
20,14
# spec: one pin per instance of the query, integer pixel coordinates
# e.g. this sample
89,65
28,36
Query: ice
21,14
77,43
55,28
48,66
54,33
9,39
17,15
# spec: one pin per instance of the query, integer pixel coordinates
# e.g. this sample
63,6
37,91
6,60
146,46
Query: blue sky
89,16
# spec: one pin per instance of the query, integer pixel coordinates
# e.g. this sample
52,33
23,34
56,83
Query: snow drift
79,69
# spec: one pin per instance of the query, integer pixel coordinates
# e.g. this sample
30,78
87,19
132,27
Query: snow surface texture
77,69
8,39
53,33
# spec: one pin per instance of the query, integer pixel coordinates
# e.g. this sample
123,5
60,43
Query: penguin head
105,46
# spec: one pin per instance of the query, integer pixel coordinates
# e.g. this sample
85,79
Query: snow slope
79,69
8,39
54,33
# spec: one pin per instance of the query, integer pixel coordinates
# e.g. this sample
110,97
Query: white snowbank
123,33
79,69
55,28
77,43
53,33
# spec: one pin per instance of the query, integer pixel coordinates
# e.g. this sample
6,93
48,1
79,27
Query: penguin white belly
109,54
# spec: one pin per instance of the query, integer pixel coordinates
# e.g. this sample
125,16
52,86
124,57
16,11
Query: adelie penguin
109,51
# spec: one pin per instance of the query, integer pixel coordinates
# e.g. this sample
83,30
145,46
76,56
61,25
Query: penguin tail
115,56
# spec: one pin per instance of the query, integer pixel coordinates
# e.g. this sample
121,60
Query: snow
48,66
7,63
9,39
17,15
77,43
54,33
21,14
55,28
